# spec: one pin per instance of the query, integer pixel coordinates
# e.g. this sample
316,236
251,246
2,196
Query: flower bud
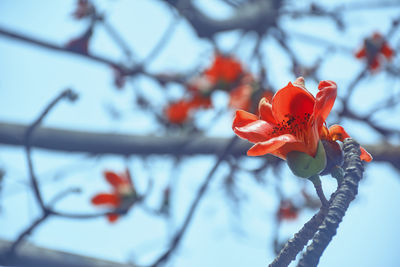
304,165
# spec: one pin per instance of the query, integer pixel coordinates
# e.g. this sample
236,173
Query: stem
318,187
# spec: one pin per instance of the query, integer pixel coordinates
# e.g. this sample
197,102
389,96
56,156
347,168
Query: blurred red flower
287,211
178,112
224,69
123,192
375,48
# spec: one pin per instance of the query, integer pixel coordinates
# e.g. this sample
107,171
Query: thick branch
123,144
300,239
32,256
341,200
252,16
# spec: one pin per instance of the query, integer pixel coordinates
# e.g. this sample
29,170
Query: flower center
295,125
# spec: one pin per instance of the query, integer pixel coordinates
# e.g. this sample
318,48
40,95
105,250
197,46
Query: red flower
374,50
178,112
224,69
293,121
123,191
287,211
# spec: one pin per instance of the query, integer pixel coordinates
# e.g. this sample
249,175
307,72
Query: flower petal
337,132
272,145
106,199
265,111
113,178
365,156
324,101
243,118
292,100
257,131
387,51
361,53
112,217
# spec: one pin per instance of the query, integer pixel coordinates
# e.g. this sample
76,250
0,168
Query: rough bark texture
338,206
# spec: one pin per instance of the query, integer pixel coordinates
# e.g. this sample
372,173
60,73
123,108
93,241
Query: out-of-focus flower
123,193
374,50
178,112
224,69
287,211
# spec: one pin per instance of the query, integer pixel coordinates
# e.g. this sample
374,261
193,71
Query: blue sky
31,76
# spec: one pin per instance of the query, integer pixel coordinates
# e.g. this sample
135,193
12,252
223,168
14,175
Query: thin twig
70,95
189,216
117,38
163,40
27,232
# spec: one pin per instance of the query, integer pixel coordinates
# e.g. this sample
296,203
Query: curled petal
106,199
272,145
265,111
257,131
243,118
112,217
365,156
113,178
292,100
324,101
337,132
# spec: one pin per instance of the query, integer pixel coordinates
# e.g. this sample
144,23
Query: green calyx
304,165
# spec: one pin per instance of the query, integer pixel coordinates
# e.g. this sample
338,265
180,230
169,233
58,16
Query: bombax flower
374,50
122,196
292,126
224,69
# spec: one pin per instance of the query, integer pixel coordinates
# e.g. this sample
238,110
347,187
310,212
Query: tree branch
341,200
29,255
253,16
123,144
